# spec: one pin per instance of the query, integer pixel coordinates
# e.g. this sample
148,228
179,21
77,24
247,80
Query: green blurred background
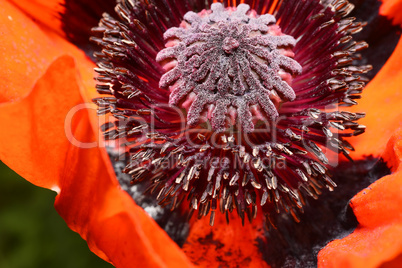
32,234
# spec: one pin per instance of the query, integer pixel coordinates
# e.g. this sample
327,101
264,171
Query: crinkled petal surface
28,49
230,245
24,50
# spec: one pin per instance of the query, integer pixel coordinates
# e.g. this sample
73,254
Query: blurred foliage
32,234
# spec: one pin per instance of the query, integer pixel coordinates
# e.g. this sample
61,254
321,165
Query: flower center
229,67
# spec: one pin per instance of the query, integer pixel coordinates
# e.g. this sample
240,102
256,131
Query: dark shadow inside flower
175,223
326,219
379,33
79,17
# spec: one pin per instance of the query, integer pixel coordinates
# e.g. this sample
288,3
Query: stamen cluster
272,167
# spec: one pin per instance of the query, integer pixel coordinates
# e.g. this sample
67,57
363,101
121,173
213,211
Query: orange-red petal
382,102
393,10
25,52
45,12
377,239
225,245
33,142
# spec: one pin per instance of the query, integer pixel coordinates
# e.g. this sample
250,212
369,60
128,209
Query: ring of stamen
244,182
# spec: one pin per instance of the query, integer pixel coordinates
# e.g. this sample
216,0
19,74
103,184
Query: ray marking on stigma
226,161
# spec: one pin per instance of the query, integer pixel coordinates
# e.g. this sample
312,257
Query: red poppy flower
45,76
